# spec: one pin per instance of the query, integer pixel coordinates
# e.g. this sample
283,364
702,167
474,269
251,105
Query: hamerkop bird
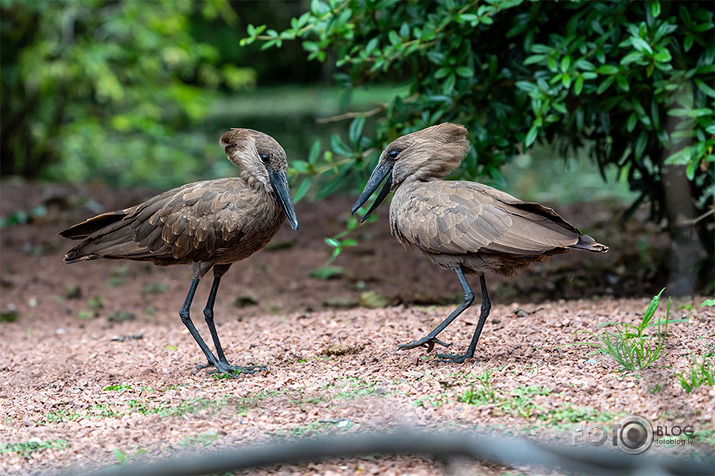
465,226
209,224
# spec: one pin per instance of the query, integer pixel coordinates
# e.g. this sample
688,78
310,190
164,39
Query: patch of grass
201,439
25,448
352,388
96,303
104,411
327,272
58,416
705,437
701,373
123,458
521,403
432,400
484,393
569,414
9,315
21,216
153,288
316,428
190,406
629,345
115,282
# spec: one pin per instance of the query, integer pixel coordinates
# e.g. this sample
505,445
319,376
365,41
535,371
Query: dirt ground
97,369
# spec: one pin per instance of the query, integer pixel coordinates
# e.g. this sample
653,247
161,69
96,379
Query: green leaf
534,59
652,307
394,37
708,302
300,166
690,170
314,152
605,84
355,130
442,72
465,72
578,85
632,57
531,136
301,190
641,143
332,242
339,147
551,63
565,63
607,69
539,48
655,9
641,45
448,85
705,88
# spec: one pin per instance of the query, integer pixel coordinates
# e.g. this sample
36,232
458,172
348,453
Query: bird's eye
393,153
265,157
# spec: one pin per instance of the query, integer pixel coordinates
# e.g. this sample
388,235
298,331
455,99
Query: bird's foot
426,341
454,358
226,369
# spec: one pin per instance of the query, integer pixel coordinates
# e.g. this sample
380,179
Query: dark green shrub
633,81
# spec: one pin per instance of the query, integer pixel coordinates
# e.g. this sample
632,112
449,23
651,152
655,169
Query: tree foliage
631,80
89,83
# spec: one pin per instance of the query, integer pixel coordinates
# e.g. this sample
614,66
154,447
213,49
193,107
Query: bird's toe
428,342
226,369
456,359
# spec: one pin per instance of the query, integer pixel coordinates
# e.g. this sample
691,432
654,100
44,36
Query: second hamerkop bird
464,226
209,224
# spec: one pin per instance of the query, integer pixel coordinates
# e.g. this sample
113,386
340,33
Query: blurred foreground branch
507,451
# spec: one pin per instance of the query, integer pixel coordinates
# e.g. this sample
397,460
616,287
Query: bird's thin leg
431,339
186,319
486,307
223,365
209,316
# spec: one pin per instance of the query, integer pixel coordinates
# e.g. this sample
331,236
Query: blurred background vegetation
130,92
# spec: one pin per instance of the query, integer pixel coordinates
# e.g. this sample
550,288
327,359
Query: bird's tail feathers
587,243
82,230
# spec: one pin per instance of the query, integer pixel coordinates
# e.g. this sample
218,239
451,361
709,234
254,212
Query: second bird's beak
279,181
382,170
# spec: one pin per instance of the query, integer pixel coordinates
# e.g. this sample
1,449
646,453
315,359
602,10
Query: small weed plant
701,373
484,393
629,344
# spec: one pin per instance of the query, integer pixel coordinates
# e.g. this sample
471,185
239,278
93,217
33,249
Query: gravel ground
97,368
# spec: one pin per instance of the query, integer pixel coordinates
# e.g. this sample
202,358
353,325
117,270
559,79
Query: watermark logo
632,434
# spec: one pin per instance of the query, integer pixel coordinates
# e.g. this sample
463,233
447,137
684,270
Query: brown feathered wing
467,217
189,223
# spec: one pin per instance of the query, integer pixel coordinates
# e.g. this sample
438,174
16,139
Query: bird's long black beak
381,171
279,181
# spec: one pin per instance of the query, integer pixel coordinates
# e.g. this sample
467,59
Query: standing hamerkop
464,226
209,224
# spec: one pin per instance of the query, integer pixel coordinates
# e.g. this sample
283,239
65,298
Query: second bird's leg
431,339
486,307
